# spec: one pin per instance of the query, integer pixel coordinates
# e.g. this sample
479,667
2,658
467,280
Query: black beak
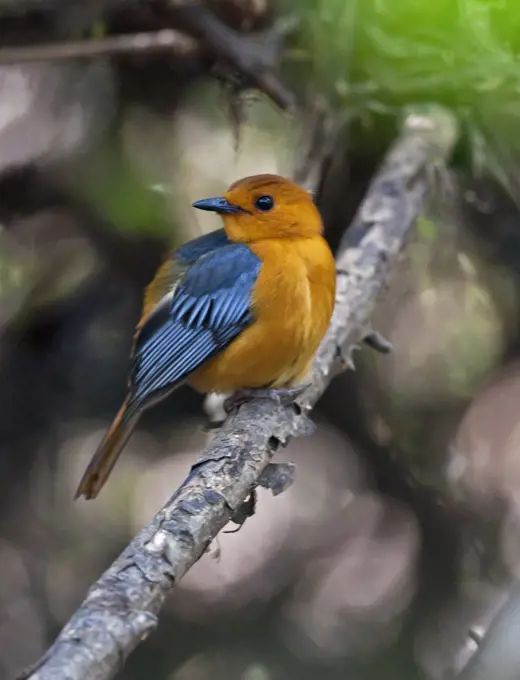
218,205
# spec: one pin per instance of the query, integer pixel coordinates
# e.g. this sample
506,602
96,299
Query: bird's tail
108,452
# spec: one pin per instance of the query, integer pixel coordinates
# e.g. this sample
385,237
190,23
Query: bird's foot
282,397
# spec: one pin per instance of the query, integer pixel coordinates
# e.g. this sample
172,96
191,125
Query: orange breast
292,303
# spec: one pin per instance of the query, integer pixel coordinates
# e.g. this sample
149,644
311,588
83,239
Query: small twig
121,608
321,133
166,40
253,57
378,342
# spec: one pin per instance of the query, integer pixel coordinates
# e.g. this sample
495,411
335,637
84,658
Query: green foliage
380,55
397,51
123,195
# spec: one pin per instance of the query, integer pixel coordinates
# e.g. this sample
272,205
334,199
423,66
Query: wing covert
175,266
209,307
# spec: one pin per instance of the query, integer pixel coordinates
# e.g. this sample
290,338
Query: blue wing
191,251
209,307
173,269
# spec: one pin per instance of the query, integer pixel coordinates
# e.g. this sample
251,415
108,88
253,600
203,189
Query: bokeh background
402,527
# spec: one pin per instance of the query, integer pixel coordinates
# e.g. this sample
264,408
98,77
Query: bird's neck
291,237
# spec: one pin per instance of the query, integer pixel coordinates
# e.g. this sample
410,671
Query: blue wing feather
210,306
191,251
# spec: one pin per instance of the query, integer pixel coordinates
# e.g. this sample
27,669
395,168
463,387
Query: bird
238,311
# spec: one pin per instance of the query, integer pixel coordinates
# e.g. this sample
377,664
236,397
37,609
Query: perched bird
238,310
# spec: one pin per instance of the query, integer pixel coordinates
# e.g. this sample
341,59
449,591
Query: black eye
264,203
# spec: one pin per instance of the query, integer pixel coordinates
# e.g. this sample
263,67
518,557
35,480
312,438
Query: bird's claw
211,426
281,397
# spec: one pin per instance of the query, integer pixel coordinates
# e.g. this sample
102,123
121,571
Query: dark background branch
165,40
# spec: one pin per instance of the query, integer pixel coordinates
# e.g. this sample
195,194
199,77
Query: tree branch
254,58
166,40
121,608
497,653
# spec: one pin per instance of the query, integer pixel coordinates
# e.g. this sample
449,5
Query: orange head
265,206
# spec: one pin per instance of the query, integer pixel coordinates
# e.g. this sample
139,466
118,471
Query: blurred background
401,530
